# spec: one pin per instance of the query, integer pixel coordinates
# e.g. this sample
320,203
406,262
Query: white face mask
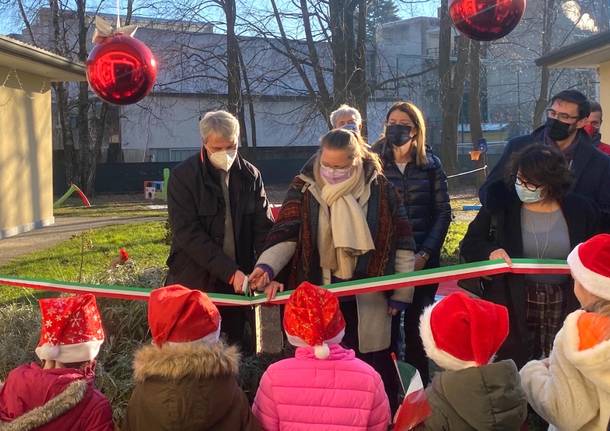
223,159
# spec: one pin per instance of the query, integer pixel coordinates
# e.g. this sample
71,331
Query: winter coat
596,140
310,394
424,193
390,230
590,167
196,210
59,399
581,217
477,398
189,387
571,389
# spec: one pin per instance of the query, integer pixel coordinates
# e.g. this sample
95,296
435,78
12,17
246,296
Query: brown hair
417,117
341,139
595,107
543,165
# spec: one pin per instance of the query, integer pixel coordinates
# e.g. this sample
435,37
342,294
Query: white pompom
321,351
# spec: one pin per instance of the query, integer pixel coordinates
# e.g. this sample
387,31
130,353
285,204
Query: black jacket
590,167
197,217
581,217
424,191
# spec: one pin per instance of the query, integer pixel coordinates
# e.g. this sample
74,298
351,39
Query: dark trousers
237,327
381,361
414,352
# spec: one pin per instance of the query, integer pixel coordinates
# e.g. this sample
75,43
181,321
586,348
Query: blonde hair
219,123
417,117
341,139
344,110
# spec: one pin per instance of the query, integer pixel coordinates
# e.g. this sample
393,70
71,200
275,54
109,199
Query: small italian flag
415,407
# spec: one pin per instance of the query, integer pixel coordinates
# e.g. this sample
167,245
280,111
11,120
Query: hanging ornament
486,19
120,69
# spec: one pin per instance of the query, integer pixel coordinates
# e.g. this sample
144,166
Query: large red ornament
486,19
121,70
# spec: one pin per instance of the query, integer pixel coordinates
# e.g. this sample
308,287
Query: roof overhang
21,56
586,53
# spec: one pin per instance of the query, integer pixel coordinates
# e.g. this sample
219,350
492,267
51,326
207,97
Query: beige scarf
343,233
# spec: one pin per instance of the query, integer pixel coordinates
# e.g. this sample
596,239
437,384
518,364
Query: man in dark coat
219,217
566,117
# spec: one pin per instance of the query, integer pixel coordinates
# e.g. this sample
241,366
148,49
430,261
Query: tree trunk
61,101
452,88
338,46
26,22
604,16
100,124
234,101
360,86
545,74
244,71
474,107
324,95
83,102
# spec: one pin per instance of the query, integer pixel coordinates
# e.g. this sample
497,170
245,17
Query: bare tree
548,22
451,76
474,105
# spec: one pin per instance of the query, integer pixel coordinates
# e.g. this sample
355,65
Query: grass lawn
123,209
144,243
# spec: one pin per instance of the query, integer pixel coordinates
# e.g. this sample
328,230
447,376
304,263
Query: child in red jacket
59,395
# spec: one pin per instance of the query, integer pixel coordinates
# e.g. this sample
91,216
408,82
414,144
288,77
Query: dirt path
63,229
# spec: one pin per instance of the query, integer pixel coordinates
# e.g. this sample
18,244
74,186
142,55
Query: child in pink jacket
324,387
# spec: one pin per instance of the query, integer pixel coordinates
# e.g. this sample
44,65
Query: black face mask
558,130
398,135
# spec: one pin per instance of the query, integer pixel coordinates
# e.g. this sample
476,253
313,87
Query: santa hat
312,318
177,314
590,265
460,332
71,329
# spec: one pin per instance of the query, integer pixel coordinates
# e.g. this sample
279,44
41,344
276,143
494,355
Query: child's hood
585,347
487,397
32,391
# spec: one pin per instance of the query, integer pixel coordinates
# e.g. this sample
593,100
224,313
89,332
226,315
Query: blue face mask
350,126
528,196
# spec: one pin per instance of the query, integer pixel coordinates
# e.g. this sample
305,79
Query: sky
10,22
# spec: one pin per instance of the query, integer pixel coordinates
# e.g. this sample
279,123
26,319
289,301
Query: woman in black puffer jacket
419,177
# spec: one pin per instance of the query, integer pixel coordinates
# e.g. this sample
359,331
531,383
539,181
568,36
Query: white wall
172,122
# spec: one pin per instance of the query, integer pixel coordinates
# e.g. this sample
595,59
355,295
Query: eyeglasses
530,186
561,116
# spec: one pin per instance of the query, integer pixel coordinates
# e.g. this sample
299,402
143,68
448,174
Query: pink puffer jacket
306,393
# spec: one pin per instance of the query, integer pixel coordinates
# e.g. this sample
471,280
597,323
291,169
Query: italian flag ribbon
348,288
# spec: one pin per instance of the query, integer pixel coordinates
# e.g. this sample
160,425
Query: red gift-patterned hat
312,318
177,314
71,329
590,264
460,332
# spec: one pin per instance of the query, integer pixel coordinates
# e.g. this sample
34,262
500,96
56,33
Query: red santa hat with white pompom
71,329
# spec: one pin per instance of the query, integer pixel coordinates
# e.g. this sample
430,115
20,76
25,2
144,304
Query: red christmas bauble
121,70
486,19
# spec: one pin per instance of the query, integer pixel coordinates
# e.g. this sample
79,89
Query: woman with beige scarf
342,220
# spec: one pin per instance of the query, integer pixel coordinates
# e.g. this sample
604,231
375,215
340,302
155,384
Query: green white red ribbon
348,288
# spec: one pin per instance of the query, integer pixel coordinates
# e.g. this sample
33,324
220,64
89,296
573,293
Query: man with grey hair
346,117
219,217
